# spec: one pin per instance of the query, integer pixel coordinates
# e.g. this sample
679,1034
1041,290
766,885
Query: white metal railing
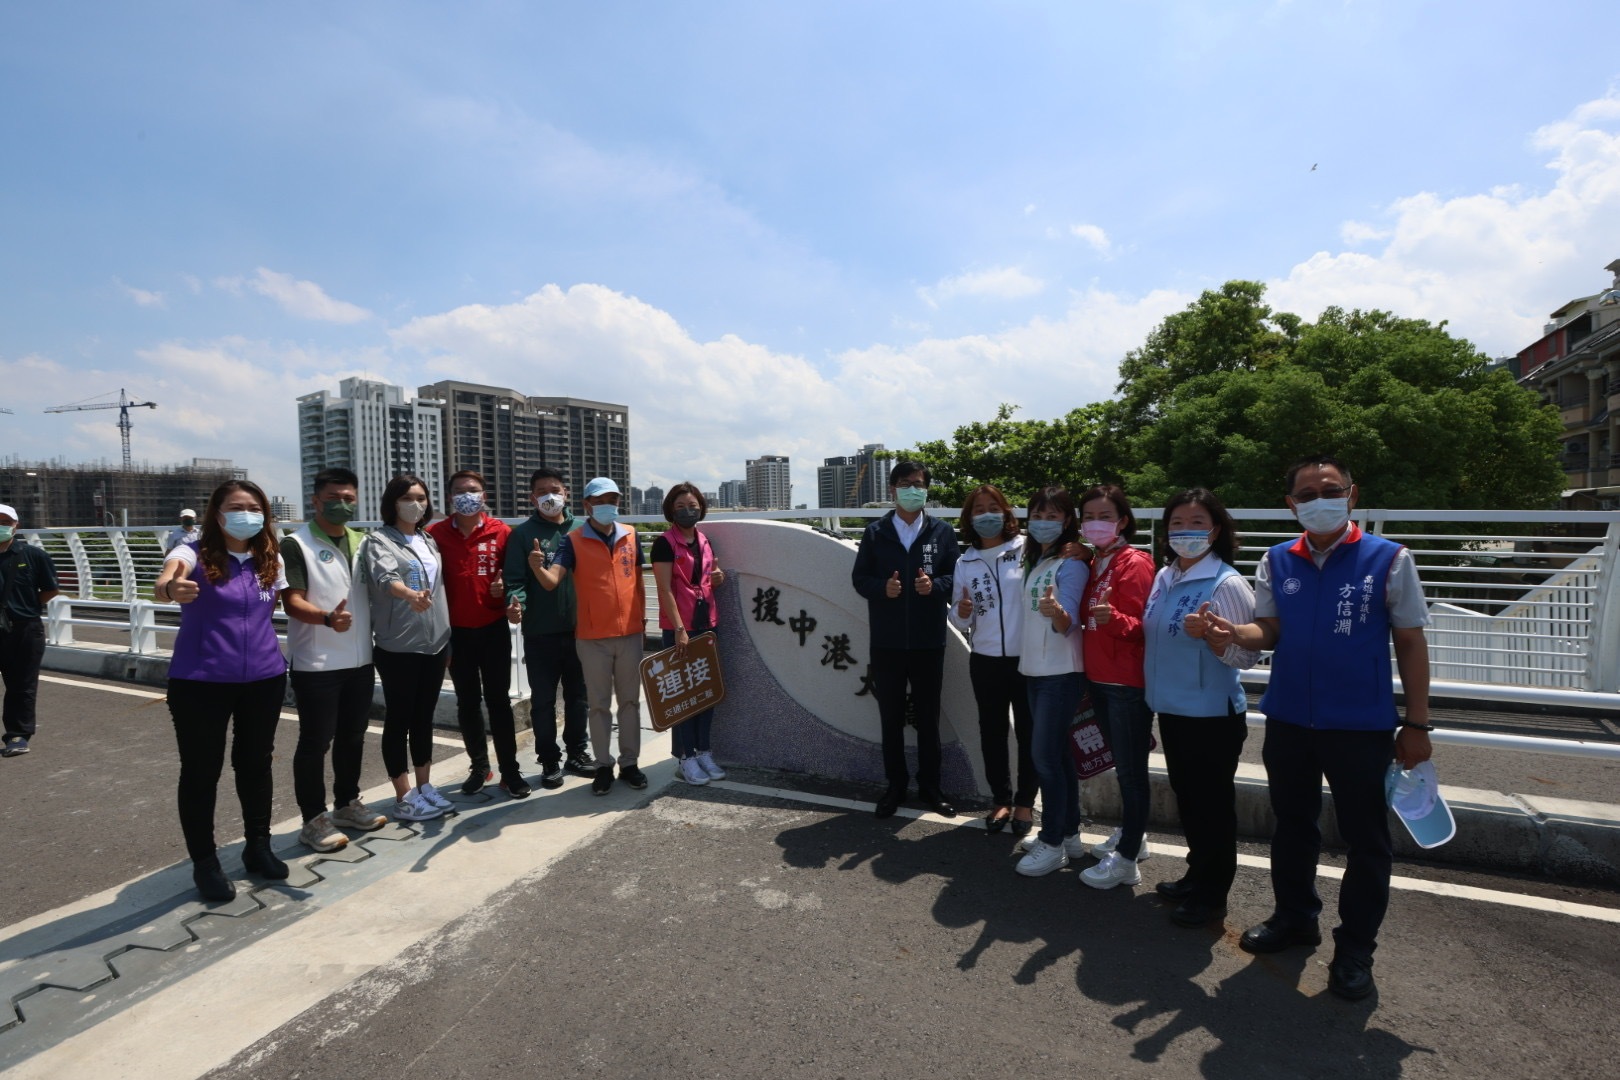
1517,606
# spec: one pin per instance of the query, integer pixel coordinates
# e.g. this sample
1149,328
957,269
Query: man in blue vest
1329,604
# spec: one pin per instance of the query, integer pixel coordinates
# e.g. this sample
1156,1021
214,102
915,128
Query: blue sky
766,228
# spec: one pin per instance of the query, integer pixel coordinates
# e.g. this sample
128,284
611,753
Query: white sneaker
1115,869
1106,848
1043,858
692,772
430,795
413,808
319,833
357,815
705,759
1074,847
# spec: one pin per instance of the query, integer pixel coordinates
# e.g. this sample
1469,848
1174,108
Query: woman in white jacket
989,580
1053,664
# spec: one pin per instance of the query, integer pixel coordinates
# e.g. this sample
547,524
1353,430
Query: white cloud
193,282
1005,283
1093,235
143,297
1493,264
698,408
305,299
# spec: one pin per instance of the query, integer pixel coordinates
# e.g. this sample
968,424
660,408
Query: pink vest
680,582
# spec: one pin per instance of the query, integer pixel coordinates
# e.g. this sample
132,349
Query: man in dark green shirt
548,632
27,583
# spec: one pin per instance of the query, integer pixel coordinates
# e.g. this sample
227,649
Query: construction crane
123,405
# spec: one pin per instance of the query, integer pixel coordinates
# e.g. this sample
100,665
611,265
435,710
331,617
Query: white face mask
1323,515
411,511
550,504
1189,543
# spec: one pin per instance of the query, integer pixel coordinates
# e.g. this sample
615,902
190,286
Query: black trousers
923,671
1354,763
203,714
22,648
333,709
997,686
411,683
551,660
1201,755
481,668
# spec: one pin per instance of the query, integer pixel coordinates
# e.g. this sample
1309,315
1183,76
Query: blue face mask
911,499
988,525
1043,532
243,524
1189,543
605,513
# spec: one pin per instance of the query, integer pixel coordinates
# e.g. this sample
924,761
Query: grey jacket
386,557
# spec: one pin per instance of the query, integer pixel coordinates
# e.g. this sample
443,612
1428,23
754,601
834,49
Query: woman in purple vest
684,568
1193,686
227,670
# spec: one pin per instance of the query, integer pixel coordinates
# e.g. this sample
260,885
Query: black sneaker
513,784
16,746
603,782
633,776
476,779
580,765
551,775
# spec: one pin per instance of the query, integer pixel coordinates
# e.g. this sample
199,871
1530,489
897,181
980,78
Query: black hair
684,489
1116,495
1319,459
335,476
905,468
545,473
1224,544
1054,497
1009,520
397,487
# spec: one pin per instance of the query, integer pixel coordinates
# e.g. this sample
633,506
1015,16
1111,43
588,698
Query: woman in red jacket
1121,578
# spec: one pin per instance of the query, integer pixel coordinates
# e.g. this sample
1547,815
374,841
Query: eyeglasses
1325,493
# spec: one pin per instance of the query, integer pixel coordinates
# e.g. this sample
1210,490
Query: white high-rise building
769,485
853,481
374,429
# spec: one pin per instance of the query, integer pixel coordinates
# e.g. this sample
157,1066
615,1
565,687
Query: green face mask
337,511
7,532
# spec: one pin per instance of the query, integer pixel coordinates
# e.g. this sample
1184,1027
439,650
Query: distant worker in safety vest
1329,603
603,557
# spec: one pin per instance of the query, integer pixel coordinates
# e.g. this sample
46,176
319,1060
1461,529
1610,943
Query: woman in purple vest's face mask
227,678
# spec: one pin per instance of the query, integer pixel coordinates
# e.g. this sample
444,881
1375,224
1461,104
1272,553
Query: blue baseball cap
602,485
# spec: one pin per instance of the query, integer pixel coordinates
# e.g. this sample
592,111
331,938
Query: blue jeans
1129,723
689,736
1052,701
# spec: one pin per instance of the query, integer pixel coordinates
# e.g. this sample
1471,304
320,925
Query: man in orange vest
604,557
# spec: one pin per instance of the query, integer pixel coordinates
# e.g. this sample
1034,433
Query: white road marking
1408,884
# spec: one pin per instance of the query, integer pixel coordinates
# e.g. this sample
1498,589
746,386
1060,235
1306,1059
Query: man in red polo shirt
472,545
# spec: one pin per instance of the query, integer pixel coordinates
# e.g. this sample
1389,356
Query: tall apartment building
55,495
372,428
733,493
585,439
853,481
769,485
494,432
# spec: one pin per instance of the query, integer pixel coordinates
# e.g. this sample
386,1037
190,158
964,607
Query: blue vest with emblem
1183,677
1331,666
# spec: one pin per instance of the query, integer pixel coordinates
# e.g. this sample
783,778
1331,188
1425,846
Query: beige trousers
613,670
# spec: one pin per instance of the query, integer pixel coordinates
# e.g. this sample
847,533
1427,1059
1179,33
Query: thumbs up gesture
891,588
1218,632
1048,604
181,589
1102,613
924,584
341,618
497,586
1196,623
537,559
964,606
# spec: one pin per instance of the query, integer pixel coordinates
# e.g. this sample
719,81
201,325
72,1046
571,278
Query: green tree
1227,394
1017,456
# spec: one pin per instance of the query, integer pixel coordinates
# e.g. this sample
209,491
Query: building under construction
56,495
